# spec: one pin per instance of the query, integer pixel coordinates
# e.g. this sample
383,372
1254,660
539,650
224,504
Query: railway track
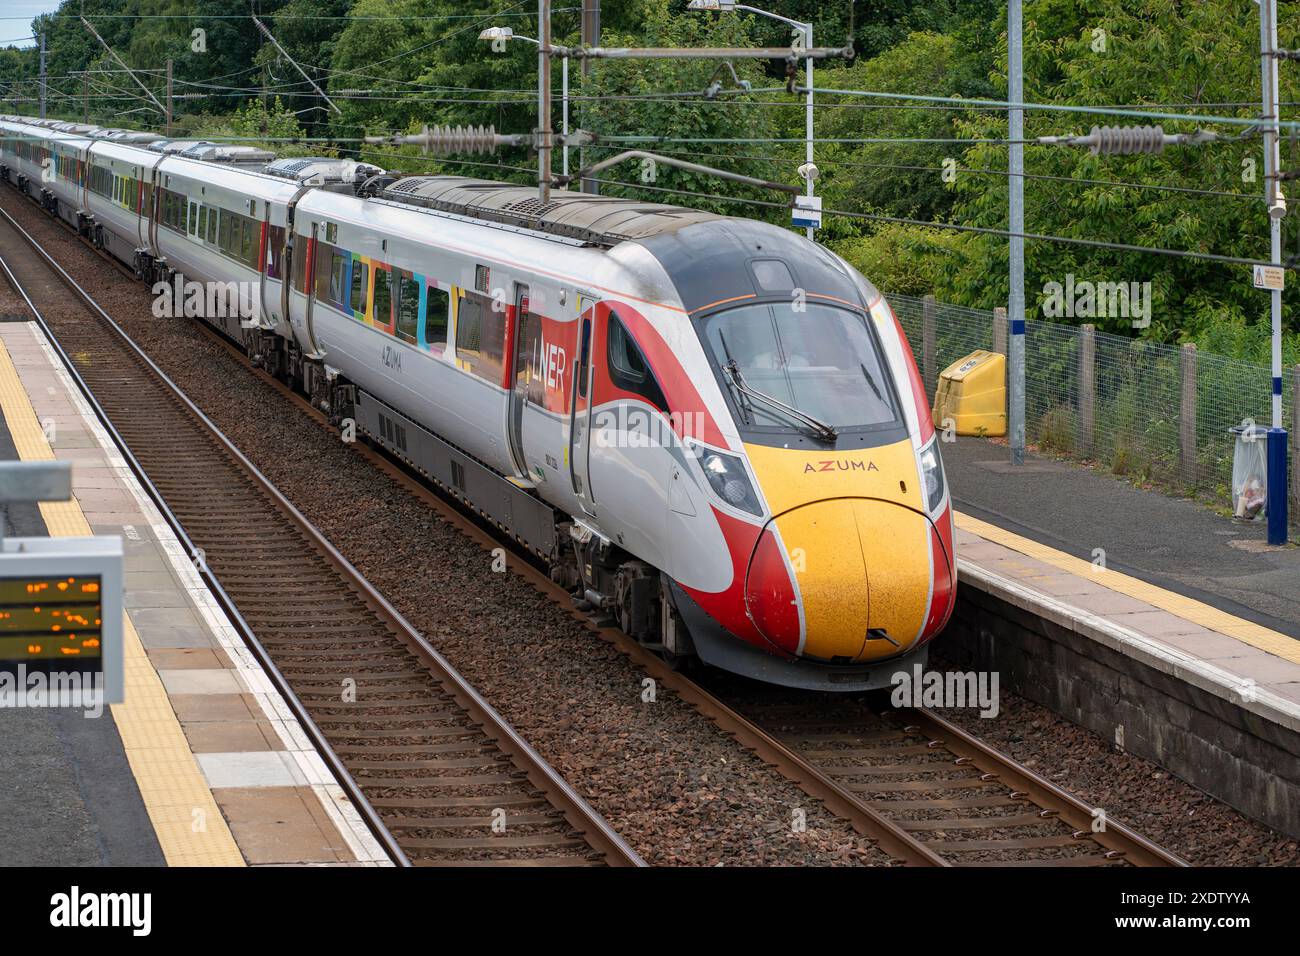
438,775
962,801
926,791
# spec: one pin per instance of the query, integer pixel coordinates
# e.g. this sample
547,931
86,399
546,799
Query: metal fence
1140,408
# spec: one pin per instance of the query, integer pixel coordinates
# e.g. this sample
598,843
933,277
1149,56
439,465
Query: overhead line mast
448,139
1277,485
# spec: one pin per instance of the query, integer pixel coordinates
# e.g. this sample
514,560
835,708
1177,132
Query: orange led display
57,627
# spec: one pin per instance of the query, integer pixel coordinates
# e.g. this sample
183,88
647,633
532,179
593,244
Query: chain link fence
1143,409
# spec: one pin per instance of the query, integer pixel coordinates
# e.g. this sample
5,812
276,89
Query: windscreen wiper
745,409
820,428
872,382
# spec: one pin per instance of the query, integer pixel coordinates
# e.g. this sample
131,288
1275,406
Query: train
711,430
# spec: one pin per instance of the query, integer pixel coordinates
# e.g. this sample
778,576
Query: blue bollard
1278,486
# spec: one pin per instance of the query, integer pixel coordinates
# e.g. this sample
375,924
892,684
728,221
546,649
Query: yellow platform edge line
1189,609
189,825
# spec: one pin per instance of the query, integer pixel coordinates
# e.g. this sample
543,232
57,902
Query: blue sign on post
807,212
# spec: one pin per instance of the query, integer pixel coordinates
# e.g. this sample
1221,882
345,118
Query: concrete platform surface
204,763
1180,545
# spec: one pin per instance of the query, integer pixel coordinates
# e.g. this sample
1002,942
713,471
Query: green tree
902,179
1199,58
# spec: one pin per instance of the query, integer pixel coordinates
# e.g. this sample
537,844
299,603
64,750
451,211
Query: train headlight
932,474
729,480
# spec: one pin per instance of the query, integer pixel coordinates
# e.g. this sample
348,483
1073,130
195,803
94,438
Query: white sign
807,212
1270,277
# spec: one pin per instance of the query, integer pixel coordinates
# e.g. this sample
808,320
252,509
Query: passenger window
437,304
212,227
408,309
360,274
628,368
382,313
274,250
227,231
481,335
494,341
469,319
339,279
321,274
299,254
252,236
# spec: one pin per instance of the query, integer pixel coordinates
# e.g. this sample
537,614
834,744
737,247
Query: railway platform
204,763
1171,631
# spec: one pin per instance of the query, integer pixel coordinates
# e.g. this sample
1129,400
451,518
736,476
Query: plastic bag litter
1249,471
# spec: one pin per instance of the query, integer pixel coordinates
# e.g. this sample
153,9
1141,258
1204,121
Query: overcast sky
16,20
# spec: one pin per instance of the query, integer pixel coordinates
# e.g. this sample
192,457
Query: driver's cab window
628,368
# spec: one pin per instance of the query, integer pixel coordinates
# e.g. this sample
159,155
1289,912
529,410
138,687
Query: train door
137,206
154,194
265,238
525,341
580,410
304,330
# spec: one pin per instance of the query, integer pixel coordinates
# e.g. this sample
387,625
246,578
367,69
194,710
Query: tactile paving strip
191,830
1197,612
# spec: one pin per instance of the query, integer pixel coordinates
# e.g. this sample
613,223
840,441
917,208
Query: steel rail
576,810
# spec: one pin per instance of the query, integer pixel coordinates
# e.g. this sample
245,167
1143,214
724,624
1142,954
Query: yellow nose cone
862,570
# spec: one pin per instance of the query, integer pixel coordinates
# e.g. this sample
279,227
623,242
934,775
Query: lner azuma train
711,428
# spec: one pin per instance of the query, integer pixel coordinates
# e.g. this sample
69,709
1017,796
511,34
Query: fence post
927,342
1295,445
1187,412
1000,329
1087,398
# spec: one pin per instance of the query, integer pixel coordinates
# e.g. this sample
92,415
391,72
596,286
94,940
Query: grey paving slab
159,637
250,769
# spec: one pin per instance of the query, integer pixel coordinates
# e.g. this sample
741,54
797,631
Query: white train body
595,376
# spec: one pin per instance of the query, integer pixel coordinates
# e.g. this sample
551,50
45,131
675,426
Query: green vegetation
395,65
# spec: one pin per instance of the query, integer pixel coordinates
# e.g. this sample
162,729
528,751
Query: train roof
601,220
129,136
231,154
303,168
170,146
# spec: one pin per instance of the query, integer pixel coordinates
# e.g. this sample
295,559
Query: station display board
61,619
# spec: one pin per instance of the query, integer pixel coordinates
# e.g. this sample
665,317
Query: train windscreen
822,361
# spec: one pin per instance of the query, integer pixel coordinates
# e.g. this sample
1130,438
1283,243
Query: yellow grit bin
973,393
